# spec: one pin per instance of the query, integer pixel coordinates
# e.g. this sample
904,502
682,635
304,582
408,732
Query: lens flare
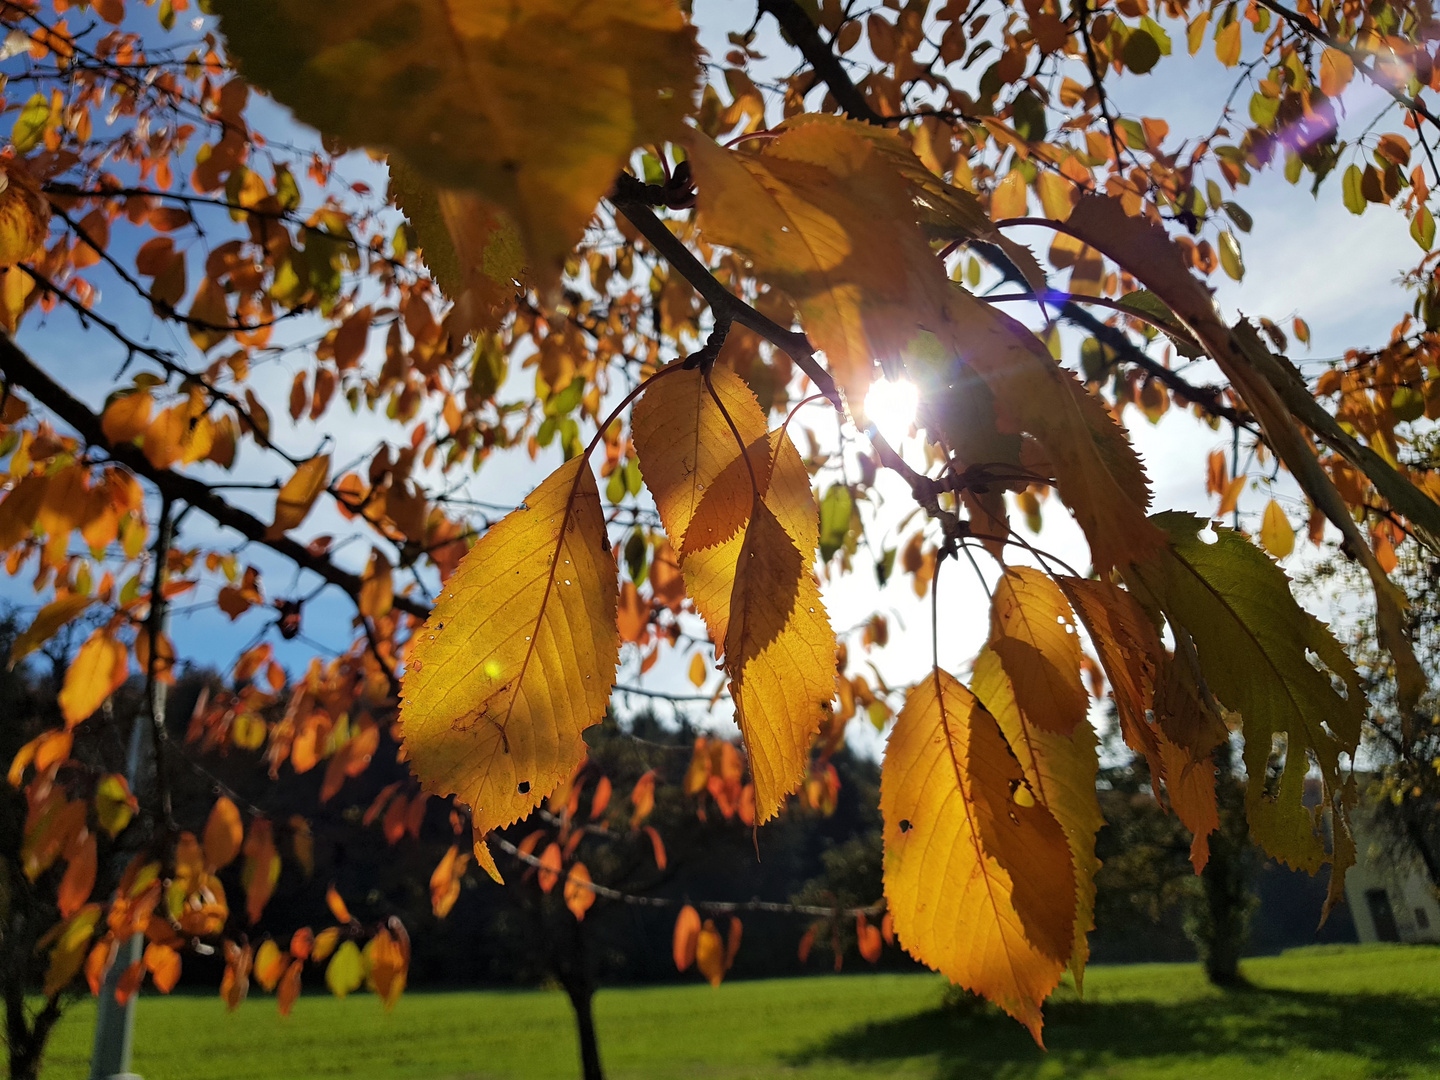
891,406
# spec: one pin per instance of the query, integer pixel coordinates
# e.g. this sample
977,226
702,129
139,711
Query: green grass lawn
1331,1013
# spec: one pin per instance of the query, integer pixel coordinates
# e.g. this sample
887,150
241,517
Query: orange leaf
687,933
550,862
578,895
868,938
601,799
224,833
79,876
163,963
377,586
337,906
642,798
446,879
732,942
657,845
261,870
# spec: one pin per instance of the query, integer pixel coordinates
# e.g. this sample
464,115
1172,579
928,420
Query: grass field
1331,1013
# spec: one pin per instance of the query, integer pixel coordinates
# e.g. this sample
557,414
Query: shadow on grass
1396,1034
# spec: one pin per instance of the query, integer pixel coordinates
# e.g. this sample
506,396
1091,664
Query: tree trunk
581,994
570,961
1220,927
27,1040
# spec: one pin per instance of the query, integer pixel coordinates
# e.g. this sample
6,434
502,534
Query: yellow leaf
68,952
325,943
1336,71
346,970
377,586
1032,631
24,216
1057,195
387,963
780,656
270,964
684,444
996,914
1227,43
540,103
1010,199
98,670
1061,773
486,714
114,804
337,906
472,248
698,670
825,216
127,417
710,953
298,495
51,618
1277,535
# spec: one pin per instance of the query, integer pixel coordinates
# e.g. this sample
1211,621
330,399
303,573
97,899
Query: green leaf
1230,256
1354,196
1236,213
1422,228
346,970
1141,51
835,511
30,124
1255,645
1156,31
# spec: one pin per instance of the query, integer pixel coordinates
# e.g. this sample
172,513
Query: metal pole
115,1023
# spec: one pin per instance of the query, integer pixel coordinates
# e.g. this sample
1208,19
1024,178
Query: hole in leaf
524,787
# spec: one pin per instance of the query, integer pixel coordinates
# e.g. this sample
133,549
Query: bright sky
1304,257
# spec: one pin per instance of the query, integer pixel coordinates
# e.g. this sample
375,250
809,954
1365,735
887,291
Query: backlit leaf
1254,642
1336,71
114,804
98,670
816,210
298,495
484,716
1061,772
499,80
1098,474
1277,535
980,884
780,656
1032,632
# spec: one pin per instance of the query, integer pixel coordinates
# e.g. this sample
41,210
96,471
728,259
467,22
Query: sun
890,406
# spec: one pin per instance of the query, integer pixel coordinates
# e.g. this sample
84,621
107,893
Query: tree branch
723,303
1357,56
798,27
21,371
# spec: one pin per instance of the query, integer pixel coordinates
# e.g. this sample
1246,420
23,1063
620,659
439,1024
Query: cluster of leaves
572,184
